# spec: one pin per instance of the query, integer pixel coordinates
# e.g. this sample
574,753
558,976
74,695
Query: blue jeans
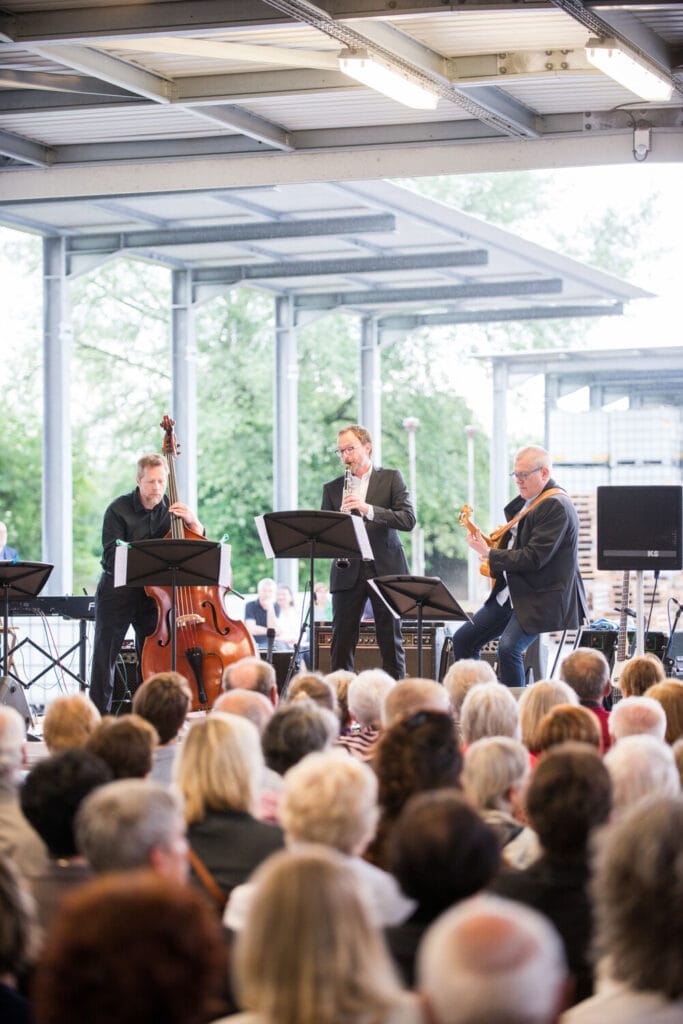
491,621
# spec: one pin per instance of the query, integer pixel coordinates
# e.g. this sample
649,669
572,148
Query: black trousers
347,609
116,609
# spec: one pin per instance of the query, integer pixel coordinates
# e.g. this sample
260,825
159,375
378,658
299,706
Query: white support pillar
370,405
499,449
184,363
57,505
285,423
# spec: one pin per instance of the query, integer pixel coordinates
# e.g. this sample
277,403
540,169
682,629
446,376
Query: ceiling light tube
368,71
631,71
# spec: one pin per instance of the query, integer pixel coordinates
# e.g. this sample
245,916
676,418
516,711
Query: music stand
19,580
428,596
311,534
172,563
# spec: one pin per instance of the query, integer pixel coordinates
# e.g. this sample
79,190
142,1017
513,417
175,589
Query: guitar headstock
170,446
465,514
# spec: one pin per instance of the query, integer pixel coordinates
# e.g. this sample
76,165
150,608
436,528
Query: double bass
207,640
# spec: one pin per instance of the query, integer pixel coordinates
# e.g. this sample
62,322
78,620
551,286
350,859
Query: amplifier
367,651
605,640
535,659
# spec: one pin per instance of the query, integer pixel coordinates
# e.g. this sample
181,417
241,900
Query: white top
615,1003
383,897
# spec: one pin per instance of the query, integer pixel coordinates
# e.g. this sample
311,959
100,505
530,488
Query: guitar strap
500,531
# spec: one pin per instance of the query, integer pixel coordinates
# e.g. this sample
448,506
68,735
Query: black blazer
542,566
388,495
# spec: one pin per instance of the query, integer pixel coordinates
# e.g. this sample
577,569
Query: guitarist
538,587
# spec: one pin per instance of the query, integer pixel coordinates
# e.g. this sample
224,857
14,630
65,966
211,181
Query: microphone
270,634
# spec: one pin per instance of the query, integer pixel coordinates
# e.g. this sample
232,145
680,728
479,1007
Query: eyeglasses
523,476
346,451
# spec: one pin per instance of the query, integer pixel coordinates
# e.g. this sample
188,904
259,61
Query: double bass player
143,514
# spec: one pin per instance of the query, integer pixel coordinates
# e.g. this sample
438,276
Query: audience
164,701
670,695
314,686
366,697
18,840
489,961
309,954
536,700
70,721
50,798
462,676
218,772
133,823
409,696
494,778
18,944
565,723
252,673
331,799
126,744
635,716
132,948
297,729
640,673
417,754
340,680
641,767
248,704
441,852
587,672
638,898
489,709
568,799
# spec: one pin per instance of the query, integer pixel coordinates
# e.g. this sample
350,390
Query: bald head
491,960
252,674
247,704
409,696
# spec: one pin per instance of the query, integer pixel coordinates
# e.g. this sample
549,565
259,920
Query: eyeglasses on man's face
346,451
522,476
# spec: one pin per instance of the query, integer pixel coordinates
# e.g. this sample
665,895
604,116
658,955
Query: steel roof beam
41,81
16,147
436,293
410,323
229,275
109,69
254,127
207,234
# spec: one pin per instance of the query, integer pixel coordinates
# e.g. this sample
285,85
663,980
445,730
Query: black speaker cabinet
639,527
535,659
605,640
367,651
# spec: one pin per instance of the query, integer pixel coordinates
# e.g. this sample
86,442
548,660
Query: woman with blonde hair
218,772
567,722
308,953
536,701
70,721
669,694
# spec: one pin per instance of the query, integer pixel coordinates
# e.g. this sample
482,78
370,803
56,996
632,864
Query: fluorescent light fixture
368,71
631,71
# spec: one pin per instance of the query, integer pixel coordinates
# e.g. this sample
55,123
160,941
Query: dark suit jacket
542,566
388,495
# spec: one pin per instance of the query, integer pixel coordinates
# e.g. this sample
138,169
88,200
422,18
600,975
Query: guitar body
465,520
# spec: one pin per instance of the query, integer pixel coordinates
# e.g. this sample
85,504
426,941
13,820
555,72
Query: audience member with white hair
641,767
491,961
494,777
489,709
331,799
533,704
366,696
252,673
463,675
19,842
412,695
638,907
637,716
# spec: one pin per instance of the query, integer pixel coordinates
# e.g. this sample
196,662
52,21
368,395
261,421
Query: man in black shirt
143,514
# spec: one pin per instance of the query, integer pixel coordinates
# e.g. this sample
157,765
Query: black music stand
172,563
311,534
18,581
426,596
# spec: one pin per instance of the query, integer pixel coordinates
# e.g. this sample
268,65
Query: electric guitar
465,520
621,656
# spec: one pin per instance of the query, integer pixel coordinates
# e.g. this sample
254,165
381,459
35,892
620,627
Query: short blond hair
492,766
69,722
330,798
538,699
489,709
640,673
219,766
